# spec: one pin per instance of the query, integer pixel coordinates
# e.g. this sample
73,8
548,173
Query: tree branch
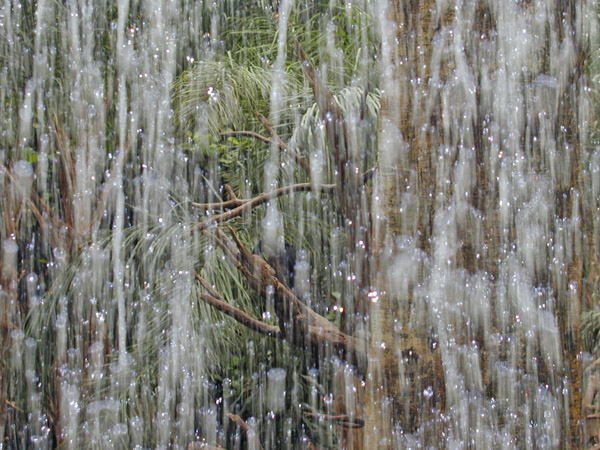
250,433
301,160
234,202
342,420
214,299
298,324
312,446
222,245
333,118
251,134
245,205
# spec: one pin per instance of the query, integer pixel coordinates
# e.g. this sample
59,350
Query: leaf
31,155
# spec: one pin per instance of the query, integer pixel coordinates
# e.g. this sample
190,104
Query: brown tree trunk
416,185
405,378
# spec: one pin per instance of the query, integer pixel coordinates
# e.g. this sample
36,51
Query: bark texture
469,148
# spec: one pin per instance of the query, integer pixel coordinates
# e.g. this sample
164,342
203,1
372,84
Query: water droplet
428,392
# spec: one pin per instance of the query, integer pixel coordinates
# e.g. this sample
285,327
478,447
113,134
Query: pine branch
334,120
298,324
214,299
301,160
245,205
252,134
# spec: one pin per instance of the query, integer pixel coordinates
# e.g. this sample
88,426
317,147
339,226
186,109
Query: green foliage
84,306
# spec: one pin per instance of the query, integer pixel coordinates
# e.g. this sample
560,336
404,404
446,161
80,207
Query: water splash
116,115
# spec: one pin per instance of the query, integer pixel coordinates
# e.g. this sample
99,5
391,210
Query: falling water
120,126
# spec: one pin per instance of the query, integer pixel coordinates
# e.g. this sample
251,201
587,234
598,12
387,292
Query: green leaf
31,155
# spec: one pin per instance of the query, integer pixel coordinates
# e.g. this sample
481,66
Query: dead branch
590,425
226,250
350,180
246,205
254,268
250,433
234,201
36,212
593,365
251,134
312,446
344,420
115,168
335,123
369,174
214,299
230,192
301,160
310,330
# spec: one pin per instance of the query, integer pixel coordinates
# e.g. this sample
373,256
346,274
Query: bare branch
115,168
593,366
310,330
342,420
312,446
369,174
246,254
330,113
350,180
301,160
36,212
230,192
214,299
234,201
232,255
248,204
250,433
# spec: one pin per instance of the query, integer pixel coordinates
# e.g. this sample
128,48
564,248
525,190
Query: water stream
119,124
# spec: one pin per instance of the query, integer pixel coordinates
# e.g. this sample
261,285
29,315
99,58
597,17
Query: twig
228,252
283,146
330,113
230,192
36,212
233,202
350,180
115,168
251,134
214,299
349,176
248,204
250,433
246,254
369,174
312,446
254,268
342,420
593,365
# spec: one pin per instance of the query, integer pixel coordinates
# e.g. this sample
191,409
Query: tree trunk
405,380
481,142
